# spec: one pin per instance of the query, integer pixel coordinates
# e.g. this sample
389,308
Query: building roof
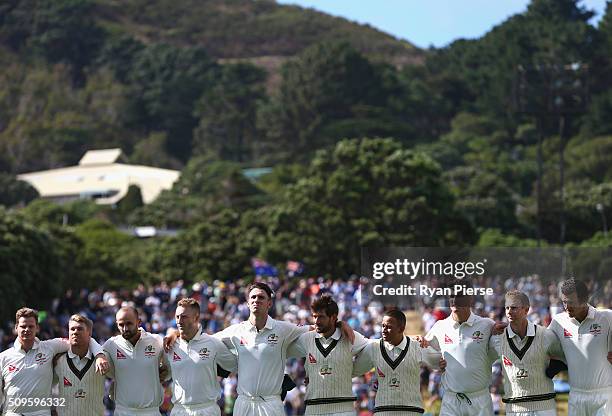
98,177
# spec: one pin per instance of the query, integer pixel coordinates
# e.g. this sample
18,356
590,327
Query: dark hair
578,287
325,304
398,315
259,285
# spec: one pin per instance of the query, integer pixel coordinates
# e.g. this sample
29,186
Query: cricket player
194,359
27,368
80,387
463,339
137,359
585,334
329,362
260,344
397,360
525,350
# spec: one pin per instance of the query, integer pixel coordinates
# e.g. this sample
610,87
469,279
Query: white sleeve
58,345
360,343
364,363
429,357
225,359
297,349
432,336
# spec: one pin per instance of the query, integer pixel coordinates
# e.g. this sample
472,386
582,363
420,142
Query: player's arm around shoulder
364,362
297,349
223,357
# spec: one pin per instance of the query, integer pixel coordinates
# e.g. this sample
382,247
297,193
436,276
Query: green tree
326,94
31,271
363,193
15,192
65,31
227,113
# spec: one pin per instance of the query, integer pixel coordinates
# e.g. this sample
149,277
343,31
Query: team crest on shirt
566,333
507,361
204,353
80,394
272,339
176,357
394,382
41,358
380,373
447,339
477,336
67,382
595,329
522,373
12,369
149,351
120,355
311,359
325,370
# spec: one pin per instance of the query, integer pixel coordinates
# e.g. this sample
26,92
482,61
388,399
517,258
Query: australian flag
262,268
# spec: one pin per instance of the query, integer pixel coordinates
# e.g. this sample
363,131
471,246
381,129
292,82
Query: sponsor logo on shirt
149,351
204,353
566,333
41,358
507,361
272,339
121,355
311,359
477,336
380,373
595,329
80,394
325,370
67,382
394,382
243,341
522,373
176,357
447,339
12,369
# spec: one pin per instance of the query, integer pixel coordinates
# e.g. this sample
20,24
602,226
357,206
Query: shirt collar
401,345
269,324
336,335
530,330
72,355
591,314
470,321
17,345
196,337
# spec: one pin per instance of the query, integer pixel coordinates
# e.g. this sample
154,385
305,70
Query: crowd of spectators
223,304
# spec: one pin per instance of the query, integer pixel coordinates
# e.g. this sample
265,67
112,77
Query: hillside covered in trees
372,141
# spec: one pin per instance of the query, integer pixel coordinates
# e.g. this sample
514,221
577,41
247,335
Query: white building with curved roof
100,177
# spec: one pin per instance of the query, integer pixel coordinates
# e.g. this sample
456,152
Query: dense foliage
467,133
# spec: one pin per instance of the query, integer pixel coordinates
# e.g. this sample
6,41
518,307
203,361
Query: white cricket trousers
467,404
259,406
205,409
590,402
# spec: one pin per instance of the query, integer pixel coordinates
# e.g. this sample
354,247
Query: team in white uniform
525,350
137,359
329,362
27,368
194,359
585,334
260,346
396,360
463,339
81,388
